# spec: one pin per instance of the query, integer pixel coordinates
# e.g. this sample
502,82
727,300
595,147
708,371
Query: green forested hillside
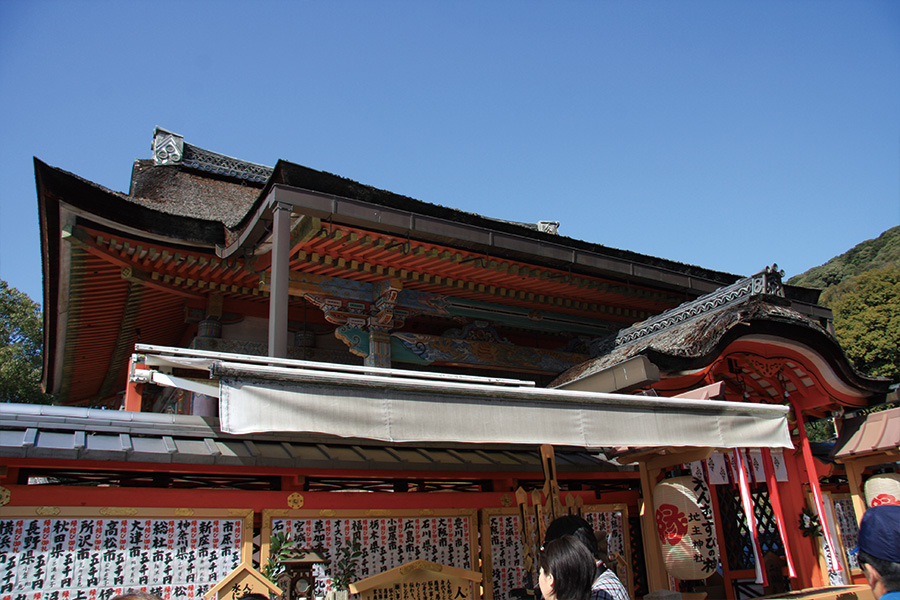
870,255
862,288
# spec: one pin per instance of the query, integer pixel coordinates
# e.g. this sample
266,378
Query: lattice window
738,544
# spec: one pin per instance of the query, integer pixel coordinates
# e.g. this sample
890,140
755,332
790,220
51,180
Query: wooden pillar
854,479
280,284
657,578
293,482
651,465
504,484
813,479
381,323
9,475
379,348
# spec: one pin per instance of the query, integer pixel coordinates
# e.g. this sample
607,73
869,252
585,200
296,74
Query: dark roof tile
178,191
694,343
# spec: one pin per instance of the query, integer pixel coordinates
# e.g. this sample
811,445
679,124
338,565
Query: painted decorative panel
51,553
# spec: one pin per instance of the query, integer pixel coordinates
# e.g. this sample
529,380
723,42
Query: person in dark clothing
605,586
879,550
136,595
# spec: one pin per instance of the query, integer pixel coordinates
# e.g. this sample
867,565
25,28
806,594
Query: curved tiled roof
187,204
305,178
146,214
200,185
874,433
694,343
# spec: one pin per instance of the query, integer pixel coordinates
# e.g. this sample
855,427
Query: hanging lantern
687,533
883,489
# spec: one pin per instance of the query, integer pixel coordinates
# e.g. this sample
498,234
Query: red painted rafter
428,261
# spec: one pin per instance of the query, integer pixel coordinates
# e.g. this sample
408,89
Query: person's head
567,569
574,526
253,596
136,595
879,548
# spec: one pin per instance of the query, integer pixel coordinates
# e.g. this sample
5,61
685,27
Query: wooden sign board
847,528
390,537
67,552
240,582
831,559
845,592
419,580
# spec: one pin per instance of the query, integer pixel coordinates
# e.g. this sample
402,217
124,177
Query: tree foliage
860,287
820,431
867,320
869,255
280,549
21,345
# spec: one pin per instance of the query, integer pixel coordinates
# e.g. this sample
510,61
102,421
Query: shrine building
242,354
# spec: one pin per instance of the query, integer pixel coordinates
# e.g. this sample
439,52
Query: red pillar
134,391
793,501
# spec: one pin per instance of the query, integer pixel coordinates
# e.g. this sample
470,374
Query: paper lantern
883,489
687,532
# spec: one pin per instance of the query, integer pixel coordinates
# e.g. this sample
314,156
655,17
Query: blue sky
729,135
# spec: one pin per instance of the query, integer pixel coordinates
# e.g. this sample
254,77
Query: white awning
393,405
257,399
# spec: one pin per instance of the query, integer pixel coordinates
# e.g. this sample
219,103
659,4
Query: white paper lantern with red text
883,489
687,532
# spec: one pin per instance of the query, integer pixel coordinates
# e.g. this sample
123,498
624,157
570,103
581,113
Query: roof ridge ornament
765,282
548,227
168,147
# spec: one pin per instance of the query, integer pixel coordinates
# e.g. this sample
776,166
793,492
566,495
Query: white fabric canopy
255,398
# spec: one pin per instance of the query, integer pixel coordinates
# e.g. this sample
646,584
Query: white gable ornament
242,581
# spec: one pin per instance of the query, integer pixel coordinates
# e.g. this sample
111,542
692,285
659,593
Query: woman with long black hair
566,570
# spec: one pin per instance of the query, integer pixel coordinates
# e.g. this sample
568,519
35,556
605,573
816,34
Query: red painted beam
213,469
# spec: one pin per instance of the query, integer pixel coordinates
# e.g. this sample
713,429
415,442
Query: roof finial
548,226
168,147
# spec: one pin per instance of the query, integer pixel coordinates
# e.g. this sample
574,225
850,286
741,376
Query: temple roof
300,177
692,343
185,198
189,180
174,217
118,268
694,334
184,192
